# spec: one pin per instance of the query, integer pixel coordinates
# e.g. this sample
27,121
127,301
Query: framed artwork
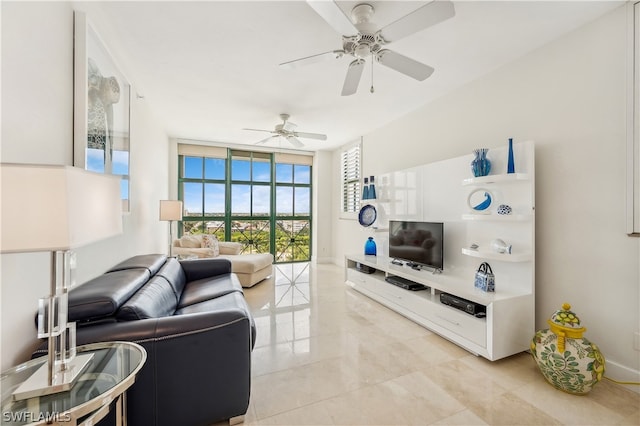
101,111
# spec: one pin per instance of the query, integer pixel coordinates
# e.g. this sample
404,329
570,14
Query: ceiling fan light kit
362,39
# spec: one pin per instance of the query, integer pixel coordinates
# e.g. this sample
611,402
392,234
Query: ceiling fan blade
311,136
406,66
352,79
330,12
334,54
265,140
424,17
295,141
259,130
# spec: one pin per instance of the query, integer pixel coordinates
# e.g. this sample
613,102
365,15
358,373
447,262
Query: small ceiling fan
362,39
287,130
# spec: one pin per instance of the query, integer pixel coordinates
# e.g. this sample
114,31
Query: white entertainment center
439,192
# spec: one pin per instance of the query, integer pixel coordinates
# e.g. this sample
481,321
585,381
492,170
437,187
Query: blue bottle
365,190
372,189
511,167
370,247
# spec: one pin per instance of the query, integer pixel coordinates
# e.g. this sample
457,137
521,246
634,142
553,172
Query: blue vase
365,190
370,247
372,189
511,167
481,165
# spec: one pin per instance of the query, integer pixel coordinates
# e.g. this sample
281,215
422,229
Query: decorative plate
367,215
479,200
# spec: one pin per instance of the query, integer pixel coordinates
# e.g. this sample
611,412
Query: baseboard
621,373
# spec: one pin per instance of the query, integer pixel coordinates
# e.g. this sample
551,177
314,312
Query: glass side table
110,373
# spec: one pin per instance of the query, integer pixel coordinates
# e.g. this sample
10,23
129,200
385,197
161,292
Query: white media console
439,192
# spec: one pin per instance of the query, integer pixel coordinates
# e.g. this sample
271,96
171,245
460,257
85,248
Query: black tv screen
417,243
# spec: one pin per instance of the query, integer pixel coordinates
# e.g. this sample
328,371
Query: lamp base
37,384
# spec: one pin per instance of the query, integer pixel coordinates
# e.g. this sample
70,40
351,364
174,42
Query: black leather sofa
197,329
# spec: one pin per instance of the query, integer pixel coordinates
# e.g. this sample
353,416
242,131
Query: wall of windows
262,200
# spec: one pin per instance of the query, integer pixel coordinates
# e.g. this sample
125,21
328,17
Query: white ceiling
207,69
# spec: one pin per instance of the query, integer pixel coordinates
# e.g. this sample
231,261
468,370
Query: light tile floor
325,354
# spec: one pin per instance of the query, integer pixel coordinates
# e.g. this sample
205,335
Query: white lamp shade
170,210
50,208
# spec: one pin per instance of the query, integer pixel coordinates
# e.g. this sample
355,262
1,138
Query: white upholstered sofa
250,268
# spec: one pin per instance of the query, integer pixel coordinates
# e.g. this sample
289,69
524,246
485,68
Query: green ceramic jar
567,360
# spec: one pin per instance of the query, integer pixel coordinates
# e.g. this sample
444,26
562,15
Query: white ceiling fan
287,130
362,39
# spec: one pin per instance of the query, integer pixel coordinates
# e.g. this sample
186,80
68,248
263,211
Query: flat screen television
419,244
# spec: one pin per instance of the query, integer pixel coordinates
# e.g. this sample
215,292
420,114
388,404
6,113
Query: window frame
203,218
295,216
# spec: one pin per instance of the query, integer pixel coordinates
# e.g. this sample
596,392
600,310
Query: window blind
351,179
306,160
202,151
221,152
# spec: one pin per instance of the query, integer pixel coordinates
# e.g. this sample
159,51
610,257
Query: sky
288,198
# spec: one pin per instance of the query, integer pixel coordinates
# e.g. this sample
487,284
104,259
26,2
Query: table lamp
170,210
55,209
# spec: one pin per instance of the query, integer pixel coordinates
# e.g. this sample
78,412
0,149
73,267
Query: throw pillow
211,242
190,241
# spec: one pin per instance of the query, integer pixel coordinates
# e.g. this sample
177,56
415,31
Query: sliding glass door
251,193
293,212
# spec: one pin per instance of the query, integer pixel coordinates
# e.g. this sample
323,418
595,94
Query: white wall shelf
503,178
497,217
503,257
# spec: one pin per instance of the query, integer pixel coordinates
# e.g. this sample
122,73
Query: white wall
37,127
322,207
569,97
